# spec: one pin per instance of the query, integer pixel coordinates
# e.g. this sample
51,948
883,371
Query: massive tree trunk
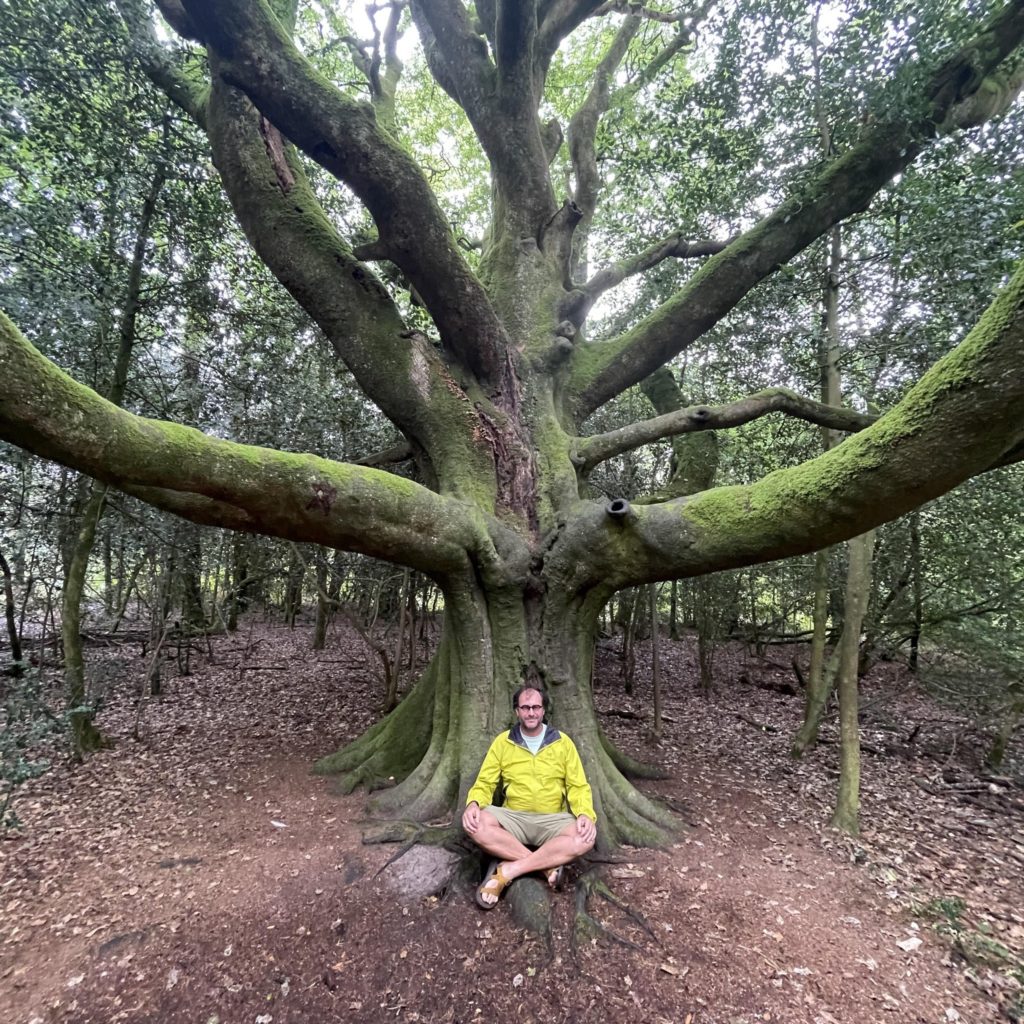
430,747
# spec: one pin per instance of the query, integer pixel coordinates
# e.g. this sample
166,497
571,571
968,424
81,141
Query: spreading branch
593,450
298,497
400,452
844,187
960,419
254,52
583,125
559,18
181,84
639,10
378,59
674,246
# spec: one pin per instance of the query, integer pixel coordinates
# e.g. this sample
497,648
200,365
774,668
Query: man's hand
585,828
471,818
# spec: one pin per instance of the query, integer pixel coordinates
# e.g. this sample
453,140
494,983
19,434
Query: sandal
494,884
554,877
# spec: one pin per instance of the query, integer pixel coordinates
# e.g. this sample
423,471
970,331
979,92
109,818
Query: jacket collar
515,734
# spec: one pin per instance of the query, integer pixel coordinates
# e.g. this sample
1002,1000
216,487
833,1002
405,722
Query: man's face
530,711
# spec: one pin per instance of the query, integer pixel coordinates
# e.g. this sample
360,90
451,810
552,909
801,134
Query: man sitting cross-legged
544,781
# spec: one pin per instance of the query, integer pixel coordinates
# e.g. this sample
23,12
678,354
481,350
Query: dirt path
202,874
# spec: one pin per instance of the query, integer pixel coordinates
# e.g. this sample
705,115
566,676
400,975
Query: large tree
490,375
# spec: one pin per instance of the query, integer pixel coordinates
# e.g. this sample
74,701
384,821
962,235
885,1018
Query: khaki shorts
529,828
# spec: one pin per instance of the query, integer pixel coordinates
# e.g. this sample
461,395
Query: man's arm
577,789
482,791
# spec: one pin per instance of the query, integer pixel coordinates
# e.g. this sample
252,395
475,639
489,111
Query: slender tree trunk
239,572
818,687
391,697
322,606
193,615
125,588
108,575
707,640
858,586
655,659
627,616
85,737
915,554
9,608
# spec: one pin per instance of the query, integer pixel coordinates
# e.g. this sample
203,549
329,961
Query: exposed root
394,832
586,927
363,776
634,915
530,902
391,748
626,816
412,832
629,766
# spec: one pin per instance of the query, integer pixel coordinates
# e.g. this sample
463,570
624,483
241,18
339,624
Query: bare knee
489,826
578,845
581,846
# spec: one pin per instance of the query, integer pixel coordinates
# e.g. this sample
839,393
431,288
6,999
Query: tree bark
432,743
9,617
858,584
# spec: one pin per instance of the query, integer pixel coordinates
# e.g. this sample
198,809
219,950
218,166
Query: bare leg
497,841
565,847
517,859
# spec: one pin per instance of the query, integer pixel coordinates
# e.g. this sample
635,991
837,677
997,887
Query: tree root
410,833
630,767
587,927
530,903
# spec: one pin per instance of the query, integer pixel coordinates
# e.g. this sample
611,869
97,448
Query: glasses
531,707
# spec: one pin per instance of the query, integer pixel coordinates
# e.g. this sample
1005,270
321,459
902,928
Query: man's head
530,704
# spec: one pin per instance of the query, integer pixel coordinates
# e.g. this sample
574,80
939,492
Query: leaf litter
160,849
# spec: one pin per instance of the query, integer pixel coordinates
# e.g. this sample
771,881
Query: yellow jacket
547,782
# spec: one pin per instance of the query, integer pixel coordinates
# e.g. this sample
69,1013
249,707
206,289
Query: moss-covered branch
844,187
255,53
182,84
300,497
590,451
283,220
961,418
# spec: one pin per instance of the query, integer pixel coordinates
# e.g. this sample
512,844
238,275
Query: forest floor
201,874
